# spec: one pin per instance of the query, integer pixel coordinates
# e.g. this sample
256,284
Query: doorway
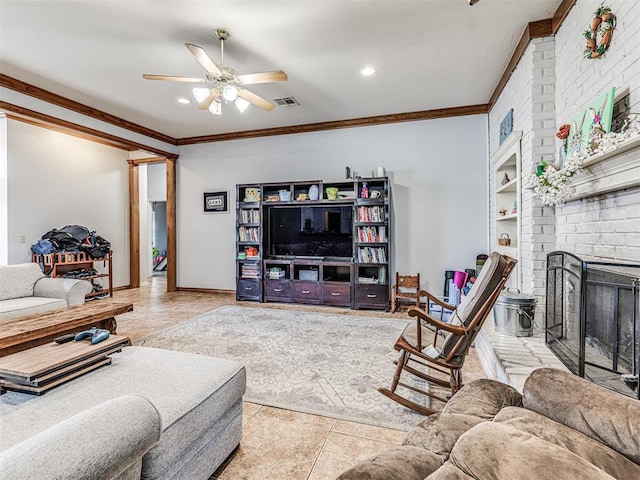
159,238
152,180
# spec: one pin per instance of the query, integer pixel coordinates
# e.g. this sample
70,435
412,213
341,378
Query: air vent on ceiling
286,102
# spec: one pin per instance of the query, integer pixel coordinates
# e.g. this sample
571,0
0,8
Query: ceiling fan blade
173,78
203,59
257,100
263,77
206,103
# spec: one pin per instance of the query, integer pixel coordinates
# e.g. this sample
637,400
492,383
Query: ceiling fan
223,81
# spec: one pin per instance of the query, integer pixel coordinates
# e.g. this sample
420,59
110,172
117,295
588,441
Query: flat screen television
314,231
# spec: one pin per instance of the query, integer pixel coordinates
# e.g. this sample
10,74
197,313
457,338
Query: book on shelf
248,234
249,216
372,255
250,271
372,234
371,214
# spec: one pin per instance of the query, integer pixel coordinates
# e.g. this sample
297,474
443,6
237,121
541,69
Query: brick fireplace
601,221
593,319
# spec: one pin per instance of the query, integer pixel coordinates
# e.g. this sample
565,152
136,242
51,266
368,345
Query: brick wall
517,95
531,93
550,84
606,226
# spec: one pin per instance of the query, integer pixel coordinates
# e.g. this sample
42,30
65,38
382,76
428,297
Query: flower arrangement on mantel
551,183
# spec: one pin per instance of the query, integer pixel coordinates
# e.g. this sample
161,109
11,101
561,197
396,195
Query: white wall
4,208
143,214
438,173
156,182
57,180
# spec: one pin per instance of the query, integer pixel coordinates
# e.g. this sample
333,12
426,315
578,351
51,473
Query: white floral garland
553,187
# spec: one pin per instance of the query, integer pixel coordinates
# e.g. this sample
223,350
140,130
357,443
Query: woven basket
504,240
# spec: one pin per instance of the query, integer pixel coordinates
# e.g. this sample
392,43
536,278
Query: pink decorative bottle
364,193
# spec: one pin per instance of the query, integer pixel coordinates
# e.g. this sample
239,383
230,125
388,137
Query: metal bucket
513,314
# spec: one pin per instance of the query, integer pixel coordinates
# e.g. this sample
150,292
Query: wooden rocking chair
440,355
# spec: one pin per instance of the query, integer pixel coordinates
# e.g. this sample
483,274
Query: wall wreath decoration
599,33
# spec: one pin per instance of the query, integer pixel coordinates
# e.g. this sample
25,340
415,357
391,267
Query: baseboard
123,287
205,290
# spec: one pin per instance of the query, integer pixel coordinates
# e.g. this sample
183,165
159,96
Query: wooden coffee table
22,333
41,368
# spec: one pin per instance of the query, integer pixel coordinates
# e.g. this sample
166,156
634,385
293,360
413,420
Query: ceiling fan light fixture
215,108
241,104
368,71
230,93
184,101
224,82
200,93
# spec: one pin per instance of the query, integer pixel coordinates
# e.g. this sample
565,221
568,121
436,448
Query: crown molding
52,123
338,124
561,13
540,28
55,99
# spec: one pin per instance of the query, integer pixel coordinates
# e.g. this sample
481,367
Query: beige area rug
317,363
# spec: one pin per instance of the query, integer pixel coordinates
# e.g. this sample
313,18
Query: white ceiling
429,54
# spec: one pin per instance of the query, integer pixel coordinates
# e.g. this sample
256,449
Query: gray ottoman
199,400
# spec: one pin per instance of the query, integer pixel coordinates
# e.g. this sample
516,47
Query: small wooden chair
406,289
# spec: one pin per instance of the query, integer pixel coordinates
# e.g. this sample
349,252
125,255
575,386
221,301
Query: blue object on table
97,335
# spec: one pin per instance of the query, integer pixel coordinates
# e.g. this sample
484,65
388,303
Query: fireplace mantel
608,172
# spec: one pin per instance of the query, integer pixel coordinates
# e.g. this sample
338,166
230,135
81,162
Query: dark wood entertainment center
314,242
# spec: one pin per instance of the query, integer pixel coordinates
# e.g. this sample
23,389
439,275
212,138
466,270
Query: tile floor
277,444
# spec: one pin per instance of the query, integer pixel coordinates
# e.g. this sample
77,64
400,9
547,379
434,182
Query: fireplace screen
592,319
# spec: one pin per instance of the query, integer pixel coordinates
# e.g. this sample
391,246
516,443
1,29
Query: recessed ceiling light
184,101
368,71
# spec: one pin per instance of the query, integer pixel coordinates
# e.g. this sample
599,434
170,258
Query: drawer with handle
277,288
306,291
337,293
373,295
249,288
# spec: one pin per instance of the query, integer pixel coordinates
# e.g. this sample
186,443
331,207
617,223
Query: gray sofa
24,290
152,414
562,427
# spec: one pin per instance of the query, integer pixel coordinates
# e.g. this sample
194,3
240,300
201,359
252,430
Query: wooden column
134,226
172,277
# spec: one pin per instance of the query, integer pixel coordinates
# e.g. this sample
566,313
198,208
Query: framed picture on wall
216,202
506,126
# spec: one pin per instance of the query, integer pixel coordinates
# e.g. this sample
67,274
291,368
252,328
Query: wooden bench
21,333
